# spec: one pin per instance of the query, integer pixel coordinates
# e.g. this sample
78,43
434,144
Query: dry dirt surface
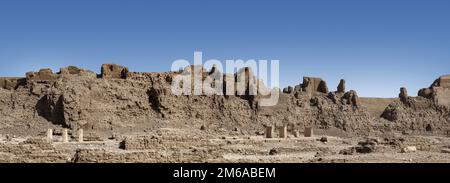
76,115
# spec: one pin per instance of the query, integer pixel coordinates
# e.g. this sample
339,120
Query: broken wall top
47,74
443,81
114,71
314,84
10,83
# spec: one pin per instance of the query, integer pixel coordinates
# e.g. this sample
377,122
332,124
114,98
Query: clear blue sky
376,45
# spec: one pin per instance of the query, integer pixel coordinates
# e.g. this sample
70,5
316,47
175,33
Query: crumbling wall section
422,115
312,85
42,75
121,100
439,91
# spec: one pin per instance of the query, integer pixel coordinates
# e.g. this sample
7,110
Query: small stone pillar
80,135
341,86
65,136
403,95
269,132
309,132
50,135
283,132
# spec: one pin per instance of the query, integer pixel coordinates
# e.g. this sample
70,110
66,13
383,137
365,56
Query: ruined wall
19,114
421,115
313,85
144,99
442,96
155,142
441,91
443,81
43,75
